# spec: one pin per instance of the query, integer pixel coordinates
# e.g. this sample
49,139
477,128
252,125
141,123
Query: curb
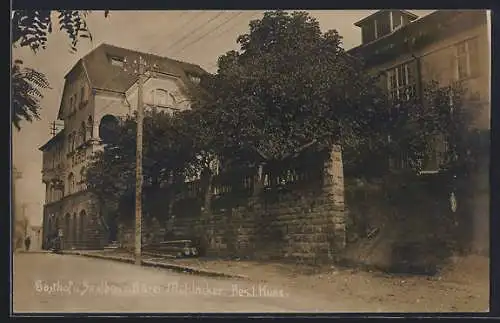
33,252
148,263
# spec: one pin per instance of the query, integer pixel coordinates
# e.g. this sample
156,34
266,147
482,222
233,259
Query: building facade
99,91
18,219
446,46
36,237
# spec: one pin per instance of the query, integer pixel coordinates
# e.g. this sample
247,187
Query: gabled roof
105,76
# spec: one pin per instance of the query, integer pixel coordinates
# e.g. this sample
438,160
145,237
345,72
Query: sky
198,37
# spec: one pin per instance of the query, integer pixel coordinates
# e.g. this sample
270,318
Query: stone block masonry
296,221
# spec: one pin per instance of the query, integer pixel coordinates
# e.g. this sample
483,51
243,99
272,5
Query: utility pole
141,68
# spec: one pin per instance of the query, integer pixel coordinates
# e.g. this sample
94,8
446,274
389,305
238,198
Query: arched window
160,98
74,231
71,183
108,127
66,229
60,189
83,178
90,128
57,222
47,192
81,226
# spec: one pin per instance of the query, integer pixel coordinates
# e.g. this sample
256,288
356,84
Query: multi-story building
445,46
99,91
17,216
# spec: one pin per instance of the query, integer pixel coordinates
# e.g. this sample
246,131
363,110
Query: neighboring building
445,46
35,233
98,92
19,222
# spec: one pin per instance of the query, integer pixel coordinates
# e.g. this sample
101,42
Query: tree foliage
27,85
169,148
288,86
30,28
438,123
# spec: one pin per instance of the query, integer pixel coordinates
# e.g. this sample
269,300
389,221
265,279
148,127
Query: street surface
66,283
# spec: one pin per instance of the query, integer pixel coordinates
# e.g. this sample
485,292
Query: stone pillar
95,130
258,184
334,189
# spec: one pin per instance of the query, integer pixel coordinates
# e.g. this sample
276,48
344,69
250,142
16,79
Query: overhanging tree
30,28
27,85
169,150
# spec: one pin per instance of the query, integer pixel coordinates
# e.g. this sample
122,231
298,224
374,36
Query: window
160,98
83,178
116,61
82,96
90,127
195,79
368,32
401,81
396,20
466,58
70,105
383,24
71,183
83,132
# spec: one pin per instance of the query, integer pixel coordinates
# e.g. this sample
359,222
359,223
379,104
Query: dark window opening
116,61
368,32
383,24
108,128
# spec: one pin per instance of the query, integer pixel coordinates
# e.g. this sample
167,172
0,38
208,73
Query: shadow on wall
406,227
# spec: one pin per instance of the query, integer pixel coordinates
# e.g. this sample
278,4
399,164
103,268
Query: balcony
52,173
48,174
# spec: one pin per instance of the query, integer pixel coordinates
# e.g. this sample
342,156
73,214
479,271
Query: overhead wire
159,32
180,40
232,25
230,29
198,14
207,33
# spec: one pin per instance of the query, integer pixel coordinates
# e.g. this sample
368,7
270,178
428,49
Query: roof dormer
382,23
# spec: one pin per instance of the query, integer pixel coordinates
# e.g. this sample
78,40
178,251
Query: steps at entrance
112,245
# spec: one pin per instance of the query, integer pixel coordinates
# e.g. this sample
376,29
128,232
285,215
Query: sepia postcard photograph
250,161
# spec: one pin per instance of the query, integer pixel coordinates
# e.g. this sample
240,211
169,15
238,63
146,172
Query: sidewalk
161,262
